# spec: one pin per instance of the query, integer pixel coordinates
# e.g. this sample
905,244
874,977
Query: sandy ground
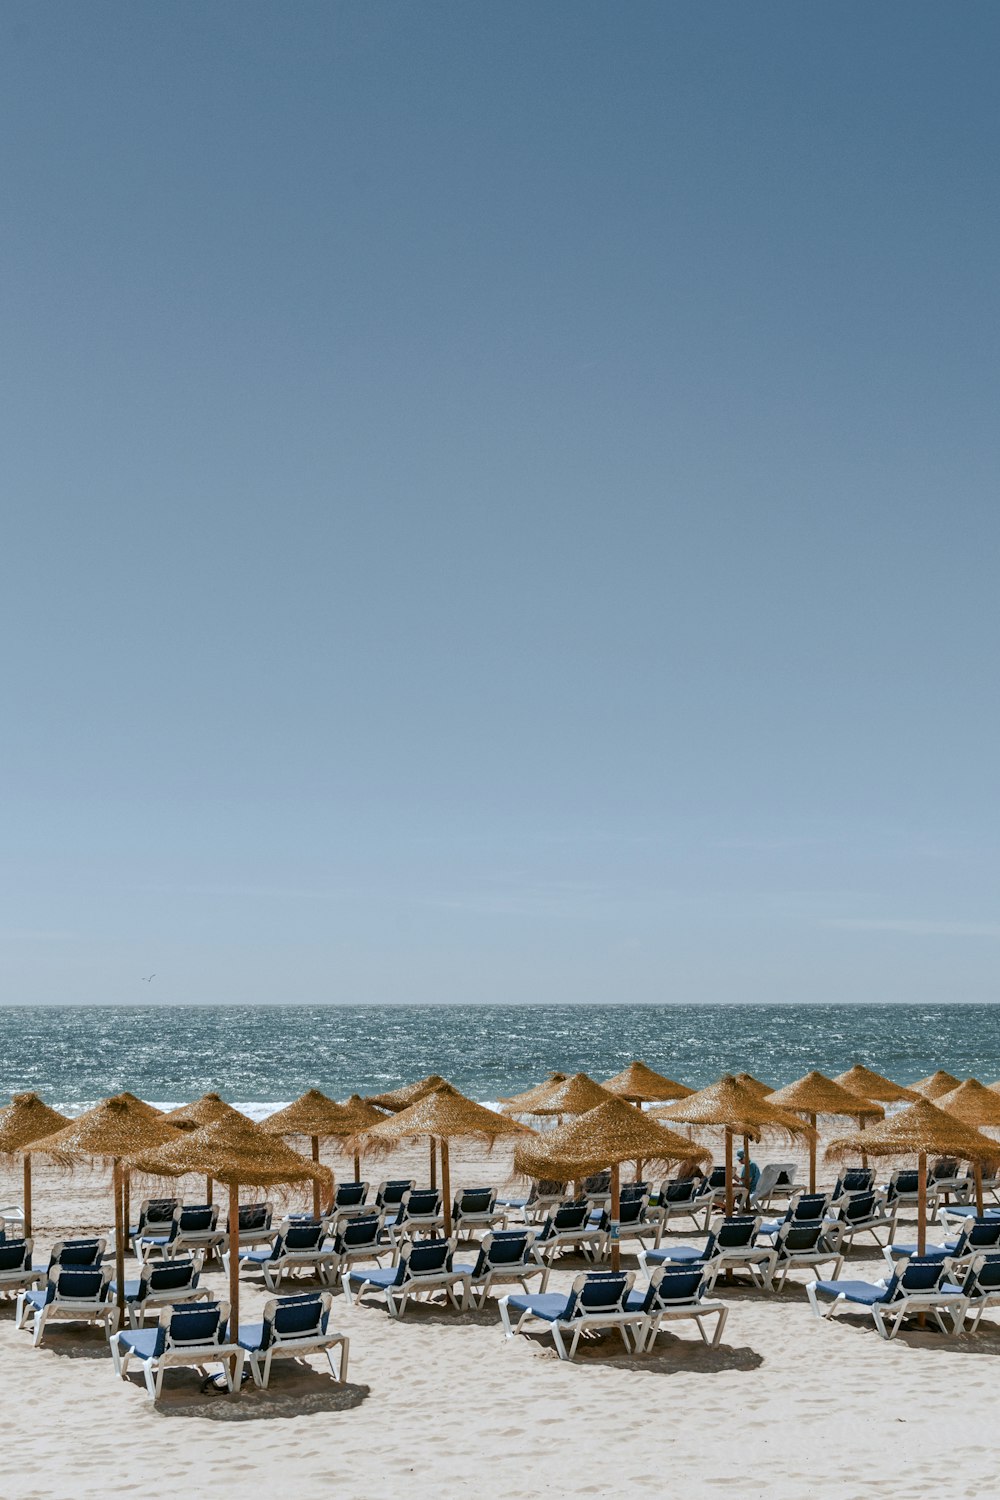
440,1405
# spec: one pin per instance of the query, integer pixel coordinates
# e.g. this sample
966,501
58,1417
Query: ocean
260,1057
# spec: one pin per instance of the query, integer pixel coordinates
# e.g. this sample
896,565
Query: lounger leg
41,1318
557,1339
150,1378
721,1315
345,1281
508,1332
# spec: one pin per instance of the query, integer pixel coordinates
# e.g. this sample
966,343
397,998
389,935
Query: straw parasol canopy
919,1130
441,1116
976,1105
25,1119
520,1104
736,1108
204,1111
750,1082
640,1085
401,1098
149,1110
112,1130
573,1096
871,1085
603,1137
815,1094
234,1151
318,1117
935,1084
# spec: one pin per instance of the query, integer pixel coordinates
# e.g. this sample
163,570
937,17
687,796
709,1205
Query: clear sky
500,501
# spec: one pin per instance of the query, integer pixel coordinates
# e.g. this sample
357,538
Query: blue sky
500,502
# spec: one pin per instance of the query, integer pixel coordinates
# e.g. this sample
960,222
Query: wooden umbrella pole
315,1184
616,1211
638,1170
127,1198
445,1186
357,1166
812,1154
119,1237
864,1154
922,1203
209,1190
977,1173
746,1173
729,1171
433,1165
26,1164
234,1266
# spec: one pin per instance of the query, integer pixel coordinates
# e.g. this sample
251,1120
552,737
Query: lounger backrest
737,1231
679,1192
255,1216
299,1317
718,1177
507,1247
809,1206
570,1216
425,1258
858,1206
982,1232
598,1292
302,1235
904,1182
545,1187
670,1285
983,1276
921,1273
15,1255
390,1194
634,1190
599,1182
944,1168
420,1203
201,1324
78,1284
799,1237
475,1201
357,1233
855,1180
157,1213
169,1276
350,1194
197,1218
77,1253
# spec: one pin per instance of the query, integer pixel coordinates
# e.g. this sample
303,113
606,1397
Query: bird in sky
148,978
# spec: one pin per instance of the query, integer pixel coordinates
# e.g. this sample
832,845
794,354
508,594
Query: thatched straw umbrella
396,1100
736,1109
935,1084
149,1112
571,1096
603,1137
753,1084
236,1152
815,1094
358,1116
112,1131
919,1130
318,1117
640,1085
25,1119
441,1116
204,1111
871,1085
976,1105
517,1104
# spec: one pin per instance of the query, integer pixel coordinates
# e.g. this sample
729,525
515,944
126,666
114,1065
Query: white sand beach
440,1405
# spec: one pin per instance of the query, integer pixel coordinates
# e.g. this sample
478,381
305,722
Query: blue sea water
263,1056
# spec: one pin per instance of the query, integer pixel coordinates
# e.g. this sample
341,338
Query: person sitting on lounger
688,1169
747,1173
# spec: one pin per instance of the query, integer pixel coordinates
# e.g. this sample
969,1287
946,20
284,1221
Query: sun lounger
255,1226
299,1245
17,1274
717,1184
348,1200
733,1245
949,1181
419,1212
505,1255
84,1252
596,1301
918,1285
359,1239
802,1243
903,1187
156,1216
292,1328
189,1336
677,1292
776,1181
862,1213
686,1197
73,1293
853,1180
635,1222
389,1194
544,1195
425,1266
807,1208
159,1238
569,1228
12,1217
475,1209
977,1237
162,1284
980,1288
